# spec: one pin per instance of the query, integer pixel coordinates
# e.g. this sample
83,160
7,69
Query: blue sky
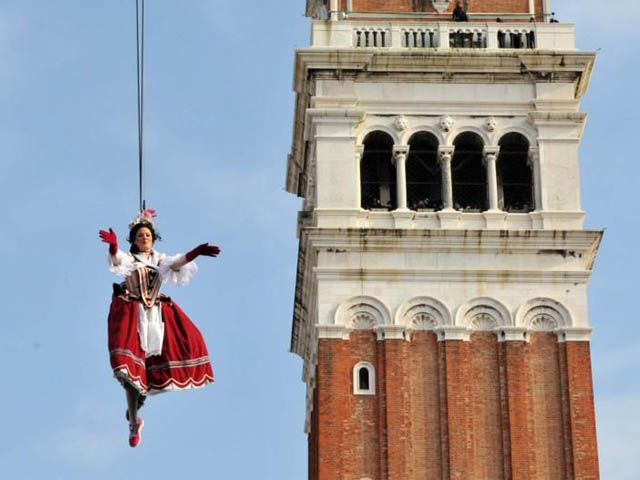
219,119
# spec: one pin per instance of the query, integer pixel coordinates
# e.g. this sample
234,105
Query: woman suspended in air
153,346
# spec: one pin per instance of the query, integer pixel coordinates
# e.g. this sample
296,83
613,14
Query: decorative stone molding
445,151
483,314
512,334
490,153
452,332
423,313
391,332
484,321
385,128
574,335
400,123
423,321
490,124
446,123
543,315
336,332
543,323
364,319
441,6
400,152
362,312
426,313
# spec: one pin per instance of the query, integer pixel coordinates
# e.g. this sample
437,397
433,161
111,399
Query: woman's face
144,240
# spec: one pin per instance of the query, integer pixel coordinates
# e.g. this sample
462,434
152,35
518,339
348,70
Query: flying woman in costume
153,346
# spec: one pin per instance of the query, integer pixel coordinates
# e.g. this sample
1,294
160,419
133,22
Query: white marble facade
448,270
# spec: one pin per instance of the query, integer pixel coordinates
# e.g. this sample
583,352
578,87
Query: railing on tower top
443,35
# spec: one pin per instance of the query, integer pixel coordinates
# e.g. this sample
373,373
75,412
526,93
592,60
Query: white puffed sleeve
121,264
175,270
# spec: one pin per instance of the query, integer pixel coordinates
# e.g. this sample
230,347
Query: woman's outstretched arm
205,250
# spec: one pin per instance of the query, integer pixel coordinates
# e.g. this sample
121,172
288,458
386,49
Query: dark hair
134,230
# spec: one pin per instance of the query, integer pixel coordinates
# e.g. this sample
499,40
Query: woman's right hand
111,238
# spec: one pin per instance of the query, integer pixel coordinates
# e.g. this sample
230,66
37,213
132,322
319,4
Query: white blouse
174,271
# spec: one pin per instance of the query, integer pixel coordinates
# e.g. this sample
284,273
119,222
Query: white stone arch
483,313
378,128
362,312
423,313
423,128
530,135
543,315
468,128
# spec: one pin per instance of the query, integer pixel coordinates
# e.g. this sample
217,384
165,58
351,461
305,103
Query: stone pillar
443,36
333,10
534,163
400,153
546,7
445,156
359,150
490,159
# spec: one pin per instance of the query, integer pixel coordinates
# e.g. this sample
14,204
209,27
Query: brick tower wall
473,6
455,410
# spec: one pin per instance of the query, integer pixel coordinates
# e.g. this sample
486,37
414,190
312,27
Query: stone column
490,159
333,10
534,163
443,36
445,156
400,153
546,10
359,150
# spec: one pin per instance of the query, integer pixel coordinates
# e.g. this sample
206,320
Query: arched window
377,173
424,180
364,379
468,173
515,185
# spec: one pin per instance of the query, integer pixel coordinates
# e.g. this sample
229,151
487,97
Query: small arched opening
377,172
468,174
364,380
424,179
515,179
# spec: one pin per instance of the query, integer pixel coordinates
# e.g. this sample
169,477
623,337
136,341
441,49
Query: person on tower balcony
459,15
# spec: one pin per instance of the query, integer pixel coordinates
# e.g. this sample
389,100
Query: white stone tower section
443,264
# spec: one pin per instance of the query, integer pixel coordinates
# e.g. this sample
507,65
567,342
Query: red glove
204,249
111,238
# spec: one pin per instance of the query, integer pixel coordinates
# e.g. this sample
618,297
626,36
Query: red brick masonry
478,410
474,6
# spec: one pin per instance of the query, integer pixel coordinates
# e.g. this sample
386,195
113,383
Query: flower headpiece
145,216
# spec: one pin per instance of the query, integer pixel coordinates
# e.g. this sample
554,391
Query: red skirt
183,363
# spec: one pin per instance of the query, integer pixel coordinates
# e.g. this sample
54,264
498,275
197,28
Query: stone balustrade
442,35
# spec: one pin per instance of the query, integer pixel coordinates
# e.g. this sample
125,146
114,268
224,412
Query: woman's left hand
204,249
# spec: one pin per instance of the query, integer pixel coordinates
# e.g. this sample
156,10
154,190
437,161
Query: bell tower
441,294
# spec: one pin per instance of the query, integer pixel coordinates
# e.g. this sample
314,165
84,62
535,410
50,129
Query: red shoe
134,433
